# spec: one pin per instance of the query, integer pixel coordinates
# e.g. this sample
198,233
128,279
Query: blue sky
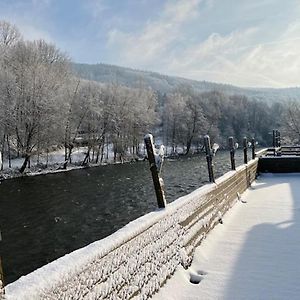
246,43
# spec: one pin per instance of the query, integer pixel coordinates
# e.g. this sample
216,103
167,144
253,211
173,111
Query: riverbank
55,164
53,169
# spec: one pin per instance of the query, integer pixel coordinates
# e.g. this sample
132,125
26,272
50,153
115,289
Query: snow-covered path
255,254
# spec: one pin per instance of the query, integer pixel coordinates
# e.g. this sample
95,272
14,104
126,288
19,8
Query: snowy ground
255,254
55,162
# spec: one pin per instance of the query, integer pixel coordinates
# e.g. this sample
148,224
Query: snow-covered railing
137,260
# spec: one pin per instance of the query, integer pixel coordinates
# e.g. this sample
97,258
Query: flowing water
45,217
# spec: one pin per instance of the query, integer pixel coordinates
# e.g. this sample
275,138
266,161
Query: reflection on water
45,217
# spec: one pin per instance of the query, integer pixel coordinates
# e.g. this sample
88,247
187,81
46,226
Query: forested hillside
165,84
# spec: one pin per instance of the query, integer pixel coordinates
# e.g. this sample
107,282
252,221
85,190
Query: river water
45,217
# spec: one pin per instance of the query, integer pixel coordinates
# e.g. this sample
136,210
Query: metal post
253,147
209,158
245,145
161,201
232,152
2,291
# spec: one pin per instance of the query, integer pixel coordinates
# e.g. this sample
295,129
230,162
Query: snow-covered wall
137,260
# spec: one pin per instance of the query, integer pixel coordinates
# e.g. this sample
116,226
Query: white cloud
143,48
250,55
95,8
180,11
232,59
31,32
41,3
28,17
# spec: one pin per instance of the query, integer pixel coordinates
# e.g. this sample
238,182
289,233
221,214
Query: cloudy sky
242,42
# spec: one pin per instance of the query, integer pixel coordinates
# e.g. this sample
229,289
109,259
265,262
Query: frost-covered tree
38,71
9,36
290,125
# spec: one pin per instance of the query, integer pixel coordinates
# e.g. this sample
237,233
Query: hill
163,83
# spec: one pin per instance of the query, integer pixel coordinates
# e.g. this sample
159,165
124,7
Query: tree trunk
22,169
188,146
87,157
68,157
102,152
2,152
1,161
8,151
107,150
47,157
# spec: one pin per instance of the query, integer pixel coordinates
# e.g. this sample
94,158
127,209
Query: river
47,216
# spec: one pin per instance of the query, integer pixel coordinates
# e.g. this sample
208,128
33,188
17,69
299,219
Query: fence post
232,152
274,141
2,290
278,143
274,138
245,145
253,147
208,152
278,139
161,201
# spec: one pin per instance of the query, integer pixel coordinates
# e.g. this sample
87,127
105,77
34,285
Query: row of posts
232,148
157,180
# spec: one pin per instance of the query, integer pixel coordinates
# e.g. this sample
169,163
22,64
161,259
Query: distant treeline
45,106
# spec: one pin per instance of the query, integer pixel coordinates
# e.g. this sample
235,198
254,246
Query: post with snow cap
209,156
2,291
232,152
245,145
253,147
161,201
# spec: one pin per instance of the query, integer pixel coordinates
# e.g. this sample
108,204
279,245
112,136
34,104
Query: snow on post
155,161
209,156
